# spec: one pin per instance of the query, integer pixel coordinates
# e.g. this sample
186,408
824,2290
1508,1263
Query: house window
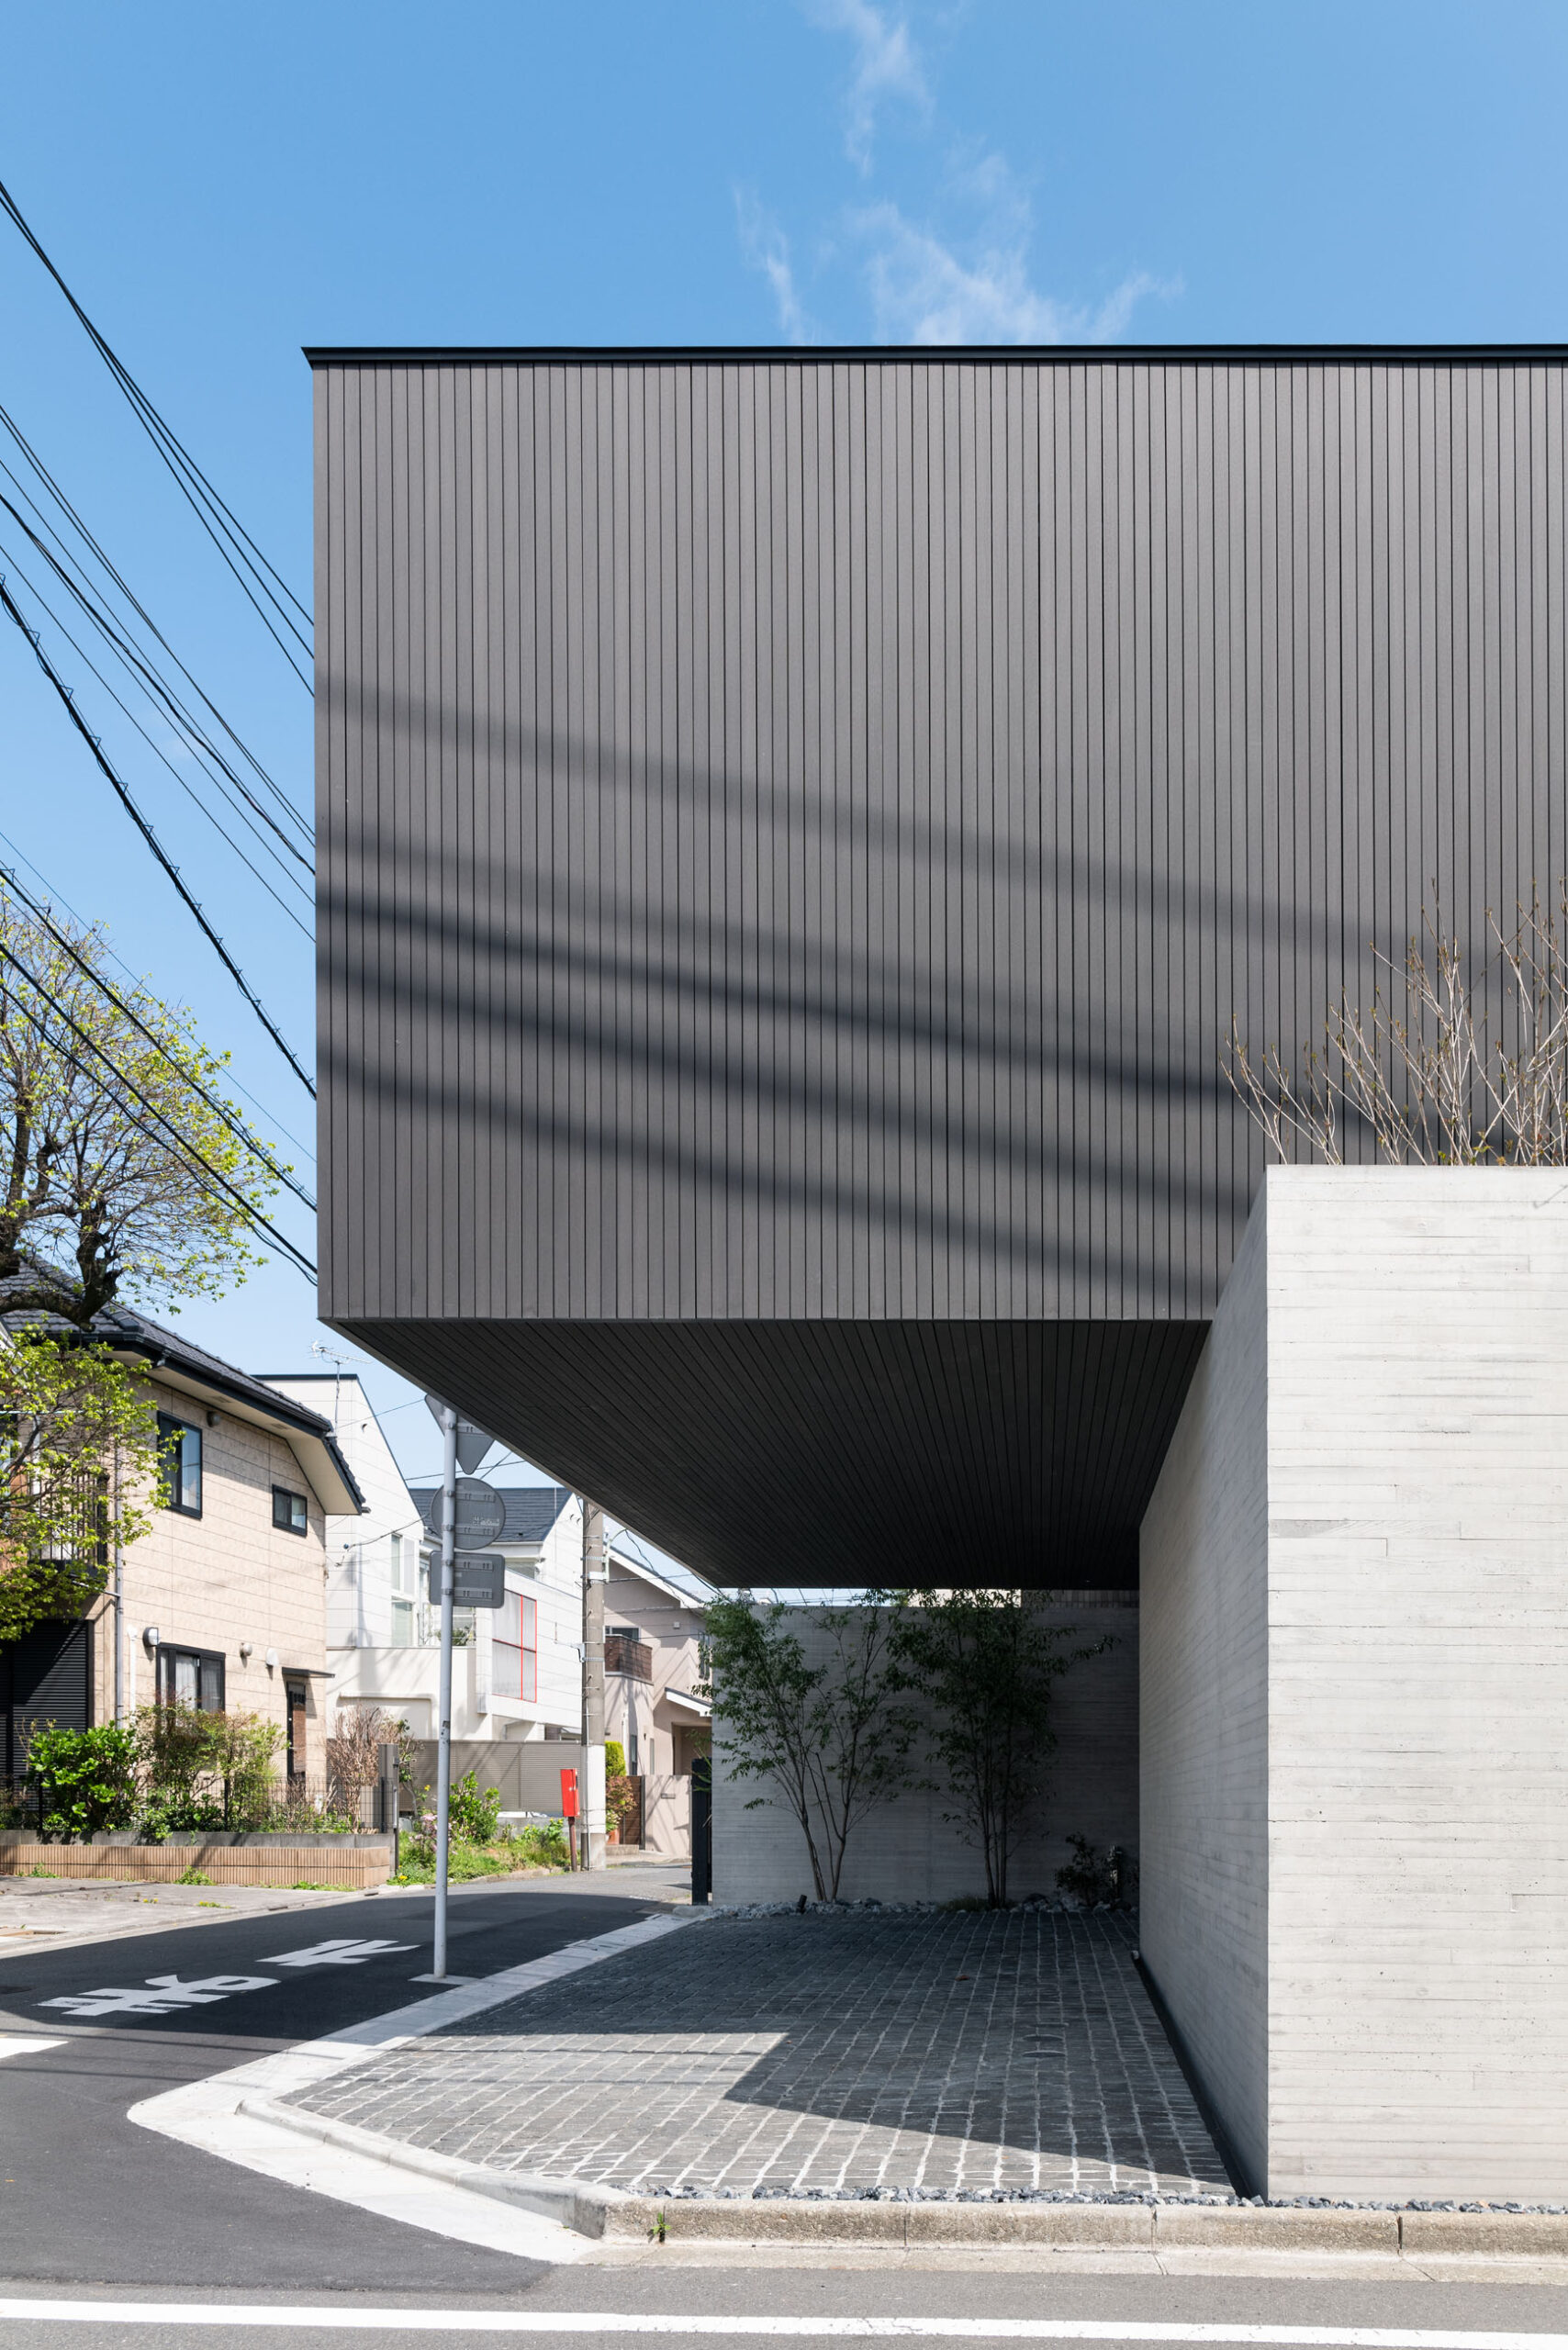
402,1623
192,1677
514,1653
179,1465
289,1511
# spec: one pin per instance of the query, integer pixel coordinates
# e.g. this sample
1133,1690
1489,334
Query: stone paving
945,2053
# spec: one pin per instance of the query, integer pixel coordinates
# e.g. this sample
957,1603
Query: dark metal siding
794,832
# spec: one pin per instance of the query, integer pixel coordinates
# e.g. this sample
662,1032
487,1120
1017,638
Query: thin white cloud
924,290
767,248
887,65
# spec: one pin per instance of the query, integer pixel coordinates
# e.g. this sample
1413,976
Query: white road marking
342,1953
21,2046
207,2113
853,2329
162,1995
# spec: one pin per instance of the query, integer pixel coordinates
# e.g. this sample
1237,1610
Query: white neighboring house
377,1624
519,1673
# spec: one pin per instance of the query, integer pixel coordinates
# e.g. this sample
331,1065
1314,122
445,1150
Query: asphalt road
93,2208
86,2196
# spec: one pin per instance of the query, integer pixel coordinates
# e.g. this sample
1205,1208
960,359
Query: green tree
828,1733
121,1161
985,1666
78,1463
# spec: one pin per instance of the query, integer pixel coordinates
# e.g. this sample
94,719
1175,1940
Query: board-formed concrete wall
1203,1715
906,1851
1416,1573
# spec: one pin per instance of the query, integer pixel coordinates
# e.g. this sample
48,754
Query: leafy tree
106,1111
829,1734
87,1779
985,1666
78,1463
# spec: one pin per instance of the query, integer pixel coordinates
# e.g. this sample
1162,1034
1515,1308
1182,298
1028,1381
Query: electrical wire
252,1142
158,691
54,490
174,1142
8,604
58,897
233,543
162,755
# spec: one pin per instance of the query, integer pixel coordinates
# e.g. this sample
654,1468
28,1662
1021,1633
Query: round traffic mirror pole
443,1748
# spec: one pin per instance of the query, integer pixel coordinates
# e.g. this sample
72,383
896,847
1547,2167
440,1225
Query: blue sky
222,186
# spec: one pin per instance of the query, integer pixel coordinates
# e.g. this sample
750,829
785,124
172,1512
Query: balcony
625,1654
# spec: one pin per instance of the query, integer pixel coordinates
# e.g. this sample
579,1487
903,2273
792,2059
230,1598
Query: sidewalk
61,1913
844,2054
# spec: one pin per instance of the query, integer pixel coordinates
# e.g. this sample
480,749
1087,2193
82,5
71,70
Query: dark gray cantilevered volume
794,833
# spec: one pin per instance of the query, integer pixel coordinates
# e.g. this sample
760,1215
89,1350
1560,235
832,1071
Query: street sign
473,1441
478,1579
568,1794
478,1517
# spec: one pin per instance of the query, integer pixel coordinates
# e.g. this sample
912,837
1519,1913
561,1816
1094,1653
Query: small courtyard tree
821,1722
985,1665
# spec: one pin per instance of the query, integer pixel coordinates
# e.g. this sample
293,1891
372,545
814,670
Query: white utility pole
595,1574
444,1753
119,1603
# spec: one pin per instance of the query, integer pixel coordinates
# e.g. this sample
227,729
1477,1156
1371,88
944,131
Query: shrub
534,1846
614,1759
1095,1877
474,1813
87,1779
212,1771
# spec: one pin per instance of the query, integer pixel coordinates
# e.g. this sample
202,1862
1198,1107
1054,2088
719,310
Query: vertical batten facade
795,831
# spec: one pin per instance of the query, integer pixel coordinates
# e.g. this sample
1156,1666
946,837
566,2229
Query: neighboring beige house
651,1634
222,1603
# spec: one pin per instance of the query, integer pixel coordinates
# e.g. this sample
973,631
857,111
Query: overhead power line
252,1142
8,603
273,601
53,492
157,689
59,898
289,875
172,1139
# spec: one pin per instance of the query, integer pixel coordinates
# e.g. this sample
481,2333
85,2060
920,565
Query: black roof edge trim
297,1416
1195,354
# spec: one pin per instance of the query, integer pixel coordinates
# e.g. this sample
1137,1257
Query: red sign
568,1794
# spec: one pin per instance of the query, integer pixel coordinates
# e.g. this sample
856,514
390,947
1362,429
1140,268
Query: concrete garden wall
1363,1831
906,1851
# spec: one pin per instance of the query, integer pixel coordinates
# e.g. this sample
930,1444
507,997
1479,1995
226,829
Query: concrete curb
612,2215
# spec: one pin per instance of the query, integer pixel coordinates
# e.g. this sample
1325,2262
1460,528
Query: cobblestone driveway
949,2053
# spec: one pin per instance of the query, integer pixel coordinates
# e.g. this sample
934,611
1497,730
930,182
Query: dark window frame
168,1651
287,1525
171,1434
